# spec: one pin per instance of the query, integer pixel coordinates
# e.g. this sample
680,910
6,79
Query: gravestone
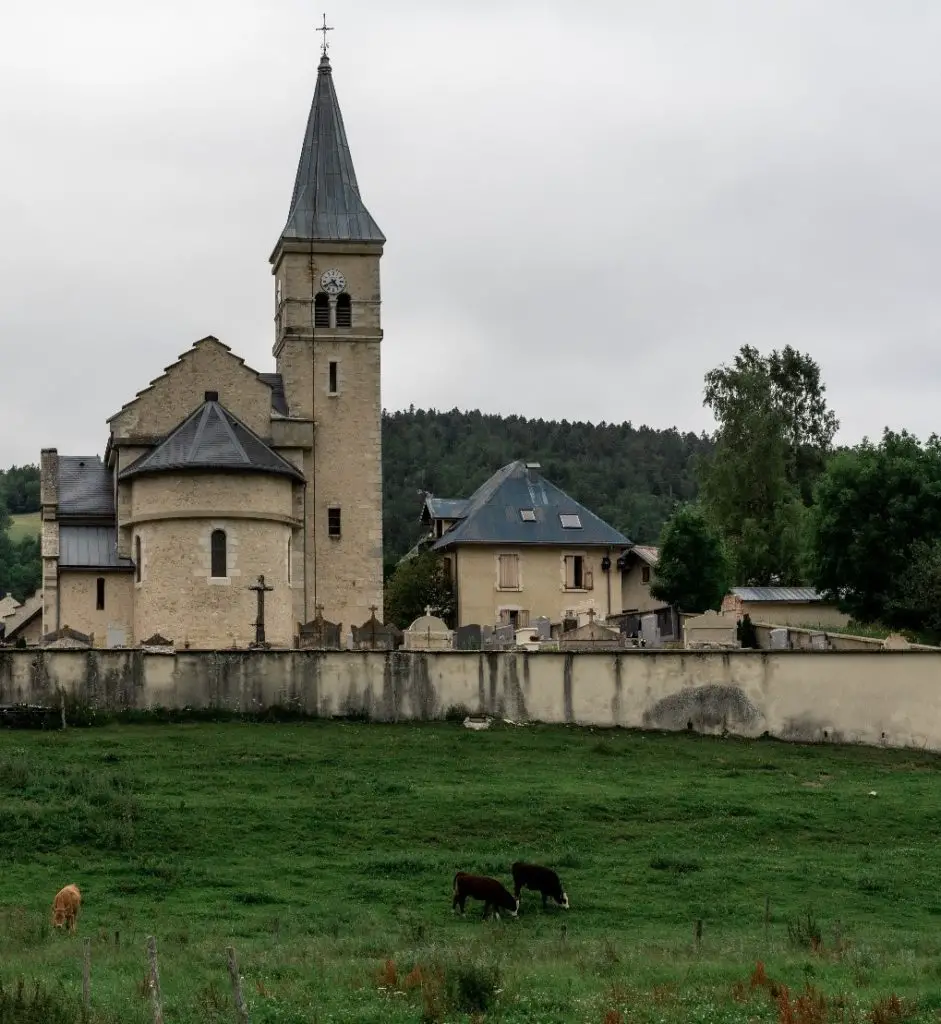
374,635
468,638
504,636
543,628
157,644
819,642
896,642
527,638
487,641
780,639
319,634
711,629
650,631
428,633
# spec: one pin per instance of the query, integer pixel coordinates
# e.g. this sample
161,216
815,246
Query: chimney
49,482
212,396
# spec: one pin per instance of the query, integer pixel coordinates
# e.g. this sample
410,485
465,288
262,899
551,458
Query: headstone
261,588
428,633
527,638
487,641
468,638
896,642
543,627
504,636
319,634
819,642
649,630
568,624
66,637
157,644
780,639
711,630
374,635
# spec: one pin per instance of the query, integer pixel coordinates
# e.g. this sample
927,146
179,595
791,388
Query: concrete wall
795,613
542,583
635,593
889,698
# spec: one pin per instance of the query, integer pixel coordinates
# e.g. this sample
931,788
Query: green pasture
27,525
324,854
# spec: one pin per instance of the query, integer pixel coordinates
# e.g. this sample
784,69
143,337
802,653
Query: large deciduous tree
419,582
773,438
693,570
876,519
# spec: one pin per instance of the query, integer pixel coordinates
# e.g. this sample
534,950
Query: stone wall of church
174,516
78,600
208,366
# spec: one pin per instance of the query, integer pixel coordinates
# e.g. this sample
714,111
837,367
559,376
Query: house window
528,515
137,561
574,572
333,522
332,383
518,618
217,546
100,593
570,520
321,310
344,310
509,572
645,574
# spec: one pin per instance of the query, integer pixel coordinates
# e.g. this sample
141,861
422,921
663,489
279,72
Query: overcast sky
587,206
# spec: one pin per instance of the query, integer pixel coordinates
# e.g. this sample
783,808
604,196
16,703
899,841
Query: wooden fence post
154,980
241,1012
767,917
698,934
62,705
86,973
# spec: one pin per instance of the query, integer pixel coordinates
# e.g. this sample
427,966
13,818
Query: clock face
332,281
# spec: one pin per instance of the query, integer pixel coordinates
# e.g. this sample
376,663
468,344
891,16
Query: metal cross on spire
325,28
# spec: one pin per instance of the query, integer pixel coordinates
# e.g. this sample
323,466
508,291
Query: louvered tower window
321,310
344,310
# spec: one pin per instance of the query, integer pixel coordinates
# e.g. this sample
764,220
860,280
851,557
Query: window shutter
570,572
509,572
588,579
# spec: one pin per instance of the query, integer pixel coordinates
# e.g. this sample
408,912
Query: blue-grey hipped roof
213,439
326,205
494,514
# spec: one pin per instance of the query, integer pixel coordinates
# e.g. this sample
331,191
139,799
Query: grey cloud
584,212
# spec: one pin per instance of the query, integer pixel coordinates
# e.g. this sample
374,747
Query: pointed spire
326,205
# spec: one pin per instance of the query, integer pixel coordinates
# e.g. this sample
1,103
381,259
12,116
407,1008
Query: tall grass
325,852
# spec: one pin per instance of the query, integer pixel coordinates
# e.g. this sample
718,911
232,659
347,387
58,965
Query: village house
520,548
216,474
784,606
638,568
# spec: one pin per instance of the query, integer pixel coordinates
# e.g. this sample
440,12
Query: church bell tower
327,348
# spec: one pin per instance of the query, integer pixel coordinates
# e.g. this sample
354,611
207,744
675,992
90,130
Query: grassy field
324,853
27,525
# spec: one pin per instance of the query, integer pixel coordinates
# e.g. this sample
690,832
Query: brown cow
65,907
489,890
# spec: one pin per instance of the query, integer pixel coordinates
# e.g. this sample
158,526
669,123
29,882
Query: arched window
321,310
137,562
217,546
344,310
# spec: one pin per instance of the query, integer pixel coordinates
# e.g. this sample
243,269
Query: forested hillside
630,476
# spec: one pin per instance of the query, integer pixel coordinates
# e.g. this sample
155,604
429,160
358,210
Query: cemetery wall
844,696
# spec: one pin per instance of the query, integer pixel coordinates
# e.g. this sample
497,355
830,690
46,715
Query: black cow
541,880
489,890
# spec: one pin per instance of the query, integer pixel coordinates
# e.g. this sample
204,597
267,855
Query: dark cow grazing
494,895
541,880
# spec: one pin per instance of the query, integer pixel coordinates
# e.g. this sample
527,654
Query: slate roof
493,515
211,438
279,400
326,204
90,547
445,508
86,487
780,594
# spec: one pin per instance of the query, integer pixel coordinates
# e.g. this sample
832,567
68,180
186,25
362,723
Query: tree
874,508
693,569
916,601
417,583
773,438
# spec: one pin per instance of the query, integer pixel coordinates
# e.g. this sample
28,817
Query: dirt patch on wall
705,709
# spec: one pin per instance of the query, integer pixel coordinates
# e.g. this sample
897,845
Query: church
216,474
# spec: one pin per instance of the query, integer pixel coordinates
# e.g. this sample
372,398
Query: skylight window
570,521
528,515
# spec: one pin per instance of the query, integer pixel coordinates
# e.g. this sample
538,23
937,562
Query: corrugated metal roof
279,400
326,204
493,515
212,438
645,553
446,508
90,547
780,594
86,487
